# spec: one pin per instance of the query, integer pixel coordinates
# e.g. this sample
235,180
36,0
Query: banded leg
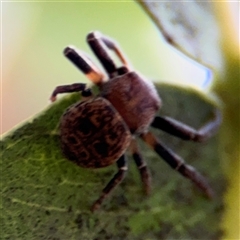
177,163
142,167
116,180
83,63
98,44
186,132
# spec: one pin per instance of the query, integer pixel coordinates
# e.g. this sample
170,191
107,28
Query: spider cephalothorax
97,131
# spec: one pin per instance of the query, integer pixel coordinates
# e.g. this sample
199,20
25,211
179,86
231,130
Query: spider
97,131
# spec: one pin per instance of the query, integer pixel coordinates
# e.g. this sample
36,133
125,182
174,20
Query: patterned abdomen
93,134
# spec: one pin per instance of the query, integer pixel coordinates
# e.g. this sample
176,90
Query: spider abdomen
93,134
135,98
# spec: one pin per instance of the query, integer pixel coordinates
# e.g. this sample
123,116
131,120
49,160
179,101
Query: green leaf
45,196
191,27
206,31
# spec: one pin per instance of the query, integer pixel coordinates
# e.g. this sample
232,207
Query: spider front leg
76,87
186,132
98,44
142,166
83,63
116,180
177,163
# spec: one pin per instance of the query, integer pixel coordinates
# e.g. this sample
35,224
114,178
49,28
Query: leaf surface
191,27
45,196
209,33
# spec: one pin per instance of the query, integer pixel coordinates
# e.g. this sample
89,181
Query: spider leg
111,44
82,62
76,87
98,44
186,132
117,179
177,163
142,166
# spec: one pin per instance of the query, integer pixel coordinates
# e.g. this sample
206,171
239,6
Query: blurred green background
34,35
